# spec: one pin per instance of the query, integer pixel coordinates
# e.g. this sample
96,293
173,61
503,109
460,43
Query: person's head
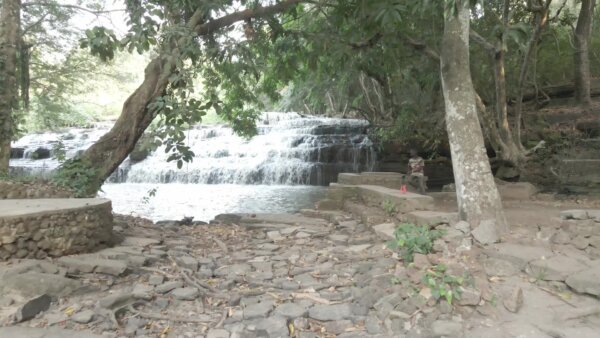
414,153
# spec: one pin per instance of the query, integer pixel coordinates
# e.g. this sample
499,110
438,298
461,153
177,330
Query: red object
403,189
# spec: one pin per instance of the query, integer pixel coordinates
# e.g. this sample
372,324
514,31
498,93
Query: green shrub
411,239
443,285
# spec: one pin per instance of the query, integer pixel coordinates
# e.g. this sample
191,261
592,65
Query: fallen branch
222,320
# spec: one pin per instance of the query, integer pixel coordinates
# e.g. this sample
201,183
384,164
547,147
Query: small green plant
442,284
77,175
390,208
59,152
151,193
411,239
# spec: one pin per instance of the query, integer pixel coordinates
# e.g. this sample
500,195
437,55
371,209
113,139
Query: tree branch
422,47
480,40
230,19
79,8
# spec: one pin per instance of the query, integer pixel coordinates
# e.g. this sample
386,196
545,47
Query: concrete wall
53,227
15,190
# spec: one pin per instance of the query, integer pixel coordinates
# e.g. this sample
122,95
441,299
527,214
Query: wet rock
446,328
330,312
291,310
514,301
168,286
185,293
486,233
83,317
32,307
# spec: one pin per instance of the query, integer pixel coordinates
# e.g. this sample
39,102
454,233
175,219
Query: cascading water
279,170
289,149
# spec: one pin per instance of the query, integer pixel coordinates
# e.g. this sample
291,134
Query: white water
204,201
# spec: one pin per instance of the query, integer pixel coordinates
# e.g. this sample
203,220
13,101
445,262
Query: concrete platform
31,207
373,195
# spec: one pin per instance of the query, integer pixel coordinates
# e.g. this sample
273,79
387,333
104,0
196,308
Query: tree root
155,316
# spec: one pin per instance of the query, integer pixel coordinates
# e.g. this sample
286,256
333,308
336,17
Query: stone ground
327,275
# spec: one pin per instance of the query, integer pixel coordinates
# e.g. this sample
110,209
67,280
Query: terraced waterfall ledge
37,228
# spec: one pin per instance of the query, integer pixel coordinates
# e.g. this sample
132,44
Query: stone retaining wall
16,190
53,227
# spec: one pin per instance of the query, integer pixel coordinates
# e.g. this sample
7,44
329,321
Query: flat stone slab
89,263
32,207
404,202
385,231
33,332
520,255
556,268
586,281
270,218
35,283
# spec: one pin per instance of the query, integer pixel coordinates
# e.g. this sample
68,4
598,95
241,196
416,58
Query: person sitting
416,171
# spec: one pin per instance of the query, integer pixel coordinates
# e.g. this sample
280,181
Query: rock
517,254
580,242
88,264
291,310
330,312
385,231
514,301
373,325
156,280
586,281
420,261
486,233
185,293
358,248
115,301
32,307
431,218
275,236
556,268
187,262
139,241
33,283
258,310
228,219
463,227
272,327
338,326
446,328
168,286
469,296
574,214
499,267
561,237
40,154
141,291
217,333
83,317
50,332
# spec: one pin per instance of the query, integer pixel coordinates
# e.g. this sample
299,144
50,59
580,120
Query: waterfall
289,149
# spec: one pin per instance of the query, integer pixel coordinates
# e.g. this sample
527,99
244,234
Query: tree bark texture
10,20
477,195
113,148
581,39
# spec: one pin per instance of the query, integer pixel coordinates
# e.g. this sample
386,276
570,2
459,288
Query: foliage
390,208
78,175
411,239
442,284
151,193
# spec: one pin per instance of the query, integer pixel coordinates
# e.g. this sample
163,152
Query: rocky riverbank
328,275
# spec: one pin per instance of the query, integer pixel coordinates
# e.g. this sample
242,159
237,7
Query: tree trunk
100,160
477,195
581,38
10,21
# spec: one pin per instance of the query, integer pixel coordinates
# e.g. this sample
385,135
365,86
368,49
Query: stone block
432,218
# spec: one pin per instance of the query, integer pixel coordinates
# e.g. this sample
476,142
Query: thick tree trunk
478,197
10,21
104,156
581,38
